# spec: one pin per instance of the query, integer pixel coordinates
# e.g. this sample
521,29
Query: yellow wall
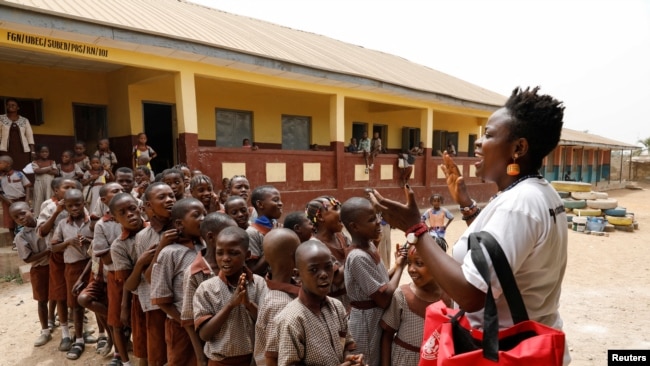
59,89
267,104
464,125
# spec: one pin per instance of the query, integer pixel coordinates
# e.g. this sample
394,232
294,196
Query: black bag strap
508,284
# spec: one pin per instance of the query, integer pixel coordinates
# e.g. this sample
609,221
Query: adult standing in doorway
16,137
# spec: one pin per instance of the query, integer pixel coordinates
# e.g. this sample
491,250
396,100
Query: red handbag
525,343
436,315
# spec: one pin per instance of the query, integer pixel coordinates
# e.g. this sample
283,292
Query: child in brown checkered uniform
52,213
34,250
268,204
225,307
313,328
95,297
72,237
279,248
369,285
167,278
122,311
158,201
14,186
202,268
403,321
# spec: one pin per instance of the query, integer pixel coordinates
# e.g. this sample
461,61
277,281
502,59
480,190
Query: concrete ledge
9,261
24,272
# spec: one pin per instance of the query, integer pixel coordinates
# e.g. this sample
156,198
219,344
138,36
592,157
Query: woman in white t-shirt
526,216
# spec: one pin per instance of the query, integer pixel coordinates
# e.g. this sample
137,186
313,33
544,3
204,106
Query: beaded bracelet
469,217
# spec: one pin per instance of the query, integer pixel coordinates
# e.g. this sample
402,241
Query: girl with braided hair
324,213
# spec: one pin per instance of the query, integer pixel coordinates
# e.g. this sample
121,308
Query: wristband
469,217
468,208
417,229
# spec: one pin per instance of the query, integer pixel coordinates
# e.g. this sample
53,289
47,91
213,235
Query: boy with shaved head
313,328
279,247
34,250
369,285
72,237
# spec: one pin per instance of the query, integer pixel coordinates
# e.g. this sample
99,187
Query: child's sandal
115,362
101,342
76,351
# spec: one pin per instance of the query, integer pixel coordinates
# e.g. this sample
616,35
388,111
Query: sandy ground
605,297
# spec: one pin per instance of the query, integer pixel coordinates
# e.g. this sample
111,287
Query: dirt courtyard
605,297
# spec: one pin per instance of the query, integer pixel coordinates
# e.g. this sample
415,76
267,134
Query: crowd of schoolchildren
183,273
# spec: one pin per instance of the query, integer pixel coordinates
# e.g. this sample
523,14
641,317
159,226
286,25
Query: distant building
198,81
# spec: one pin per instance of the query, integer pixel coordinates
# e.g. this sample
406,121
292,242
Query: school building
198,81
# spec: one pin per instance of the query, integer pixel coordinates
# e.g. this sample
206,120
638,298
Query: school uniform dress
365,275
266,333
57,289
42,183
106,158
405,316
154,317
198,271
124,256
147,153
28,243
167,288
233,343
313,339
13,185
75,256
339,292
92,195
83,164
72,174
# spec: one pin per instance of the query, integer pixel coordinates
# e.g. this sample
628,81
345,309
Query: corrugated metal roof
573,137
191,22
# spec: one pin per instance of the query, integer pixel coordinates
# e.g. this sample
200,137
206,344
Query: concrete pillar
186,118
337,137
426,126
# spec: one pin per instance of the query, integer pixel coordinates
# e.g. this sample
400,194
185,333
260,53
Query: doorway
159,129
89,125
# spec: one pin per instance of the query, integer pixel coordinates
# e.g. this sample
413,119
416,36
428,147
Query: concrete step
10,262
5,238
24,272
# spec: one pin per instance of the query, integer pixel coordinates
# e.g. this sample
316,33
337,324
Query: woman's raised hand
400,215
455,181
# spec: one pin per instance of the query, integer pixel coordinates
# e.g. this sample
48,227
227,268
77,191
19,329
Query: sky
592,55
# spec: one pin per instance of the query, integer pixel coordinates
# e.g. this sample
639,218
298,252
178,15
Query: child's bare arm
59,246
143,261
168,237
5,199
111,176
48,225
125,308
196,345
171,310
35,257
383,298
386,347
79,283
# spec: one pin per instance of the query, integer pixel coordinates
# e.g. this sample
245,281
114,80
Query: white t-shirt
535,243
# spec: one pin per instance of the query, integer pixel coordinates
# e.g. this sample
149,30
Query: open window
32,109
